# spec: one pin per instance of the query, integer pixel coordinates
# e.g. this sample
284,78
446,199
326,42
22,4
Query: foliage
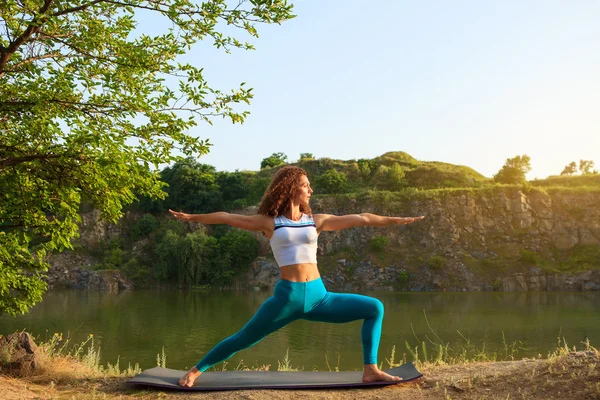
396,177
438,175
586,167
307,156
530,257
579,258
113,259
366,167
332,181
273,160
198,259
136,271
389,177
402,279
514,170
437,262
143,227
379,243
198,188
235,189
568,181
89,106
241,246
192,187
570,169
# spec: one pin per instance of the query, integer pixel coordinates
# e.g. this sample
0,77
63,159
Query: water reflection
136,325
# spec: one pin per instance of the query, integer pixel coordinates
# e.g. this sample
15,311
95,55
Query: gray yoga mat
237,380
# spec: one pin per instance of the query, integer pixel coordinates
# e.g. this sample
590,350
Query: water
135,325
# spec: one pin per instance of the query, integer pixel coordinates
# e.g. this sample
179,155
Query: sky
465,82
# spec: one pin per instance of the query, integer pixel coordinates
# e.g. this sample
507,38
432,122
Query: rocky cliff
496,239
499,238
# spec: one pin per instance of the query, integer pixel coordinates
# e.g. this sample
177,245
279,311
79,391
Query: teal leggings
309,301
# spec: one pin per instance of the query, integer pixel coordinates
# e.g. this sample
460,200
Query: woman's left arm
328,222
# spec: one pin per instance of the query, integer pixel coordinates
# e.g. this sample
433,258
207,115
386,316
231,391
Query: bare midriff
300,272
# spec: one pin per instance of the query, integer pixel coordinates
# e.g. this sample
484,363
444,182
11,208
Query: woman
284,216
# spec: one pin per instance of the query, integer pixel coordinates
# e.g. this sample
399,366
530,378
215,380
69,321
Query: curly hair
281,190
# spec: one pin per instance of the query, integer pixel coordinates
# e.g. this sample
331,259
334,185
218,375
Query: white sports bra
294,242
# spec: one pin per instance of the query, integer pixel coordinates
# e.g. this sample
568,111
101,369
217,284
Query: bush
379,243
332,182
529,257
437,262
113,259
138,273
402,279
197,259
579,258
143,227
242,248
273,160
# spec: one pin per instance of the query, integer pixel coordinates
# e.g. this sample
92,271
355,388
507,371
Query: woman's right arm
248,222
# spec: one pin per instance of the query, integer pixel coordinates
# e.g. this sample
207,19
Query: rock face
536,280
73,270
365,276
77,278
19,355
263,273
463,230
475,238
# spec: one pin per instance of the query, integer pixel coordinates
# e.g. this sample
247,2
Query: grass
65,362
464,372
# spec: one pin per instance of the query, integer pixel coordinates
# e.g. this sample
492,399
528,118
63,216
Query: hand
181,216
409,220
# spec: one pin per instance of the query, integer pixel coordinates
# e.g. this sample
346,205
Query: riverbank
564,374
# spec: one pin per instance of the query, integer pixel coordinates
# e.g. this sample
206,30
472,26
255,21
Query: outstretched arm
328,222
248,222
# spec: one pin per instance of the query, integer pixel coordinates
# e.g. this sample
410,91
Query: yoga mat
238,380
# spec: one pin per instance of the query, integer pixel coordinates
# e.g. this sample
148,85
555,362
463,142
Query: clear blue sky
465,82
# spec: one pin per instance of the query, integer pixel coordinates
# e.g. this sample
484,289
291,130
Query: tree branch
32,59
33,27
18,160
75,9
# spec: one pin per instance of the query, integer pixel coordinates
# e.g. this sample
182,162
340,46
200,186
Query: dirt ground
575,375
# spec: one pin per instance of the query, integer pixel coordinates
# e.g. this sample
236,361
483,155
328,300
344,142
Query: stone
591,286
19,355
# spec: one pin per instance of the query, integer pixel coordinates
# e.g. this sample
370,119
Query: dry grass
563,374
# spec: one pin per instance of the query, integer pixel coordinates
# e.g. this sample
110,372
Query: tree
273,160
514,170
90,108
233,186
192,187
242,248
586,167
570,169
396,177
332,181
366,168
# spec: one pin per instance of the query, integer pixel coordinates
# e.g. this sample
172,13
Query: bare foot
373,374
188,379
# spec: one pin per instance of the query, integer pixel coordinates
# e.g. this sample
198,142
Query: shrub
143,227
136,271
113,259
437,262
402,279
242,248
332,181
379,243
